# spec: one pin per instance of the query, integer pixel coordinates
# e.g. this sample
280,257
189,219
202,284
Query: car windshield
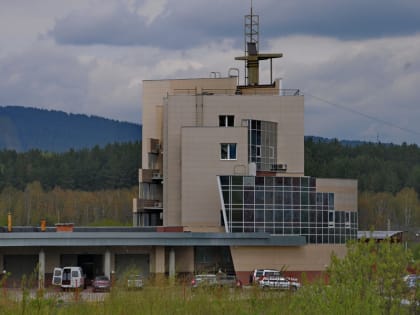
101,278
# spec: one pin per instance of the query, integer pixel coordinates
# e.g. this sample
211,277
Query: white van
69,277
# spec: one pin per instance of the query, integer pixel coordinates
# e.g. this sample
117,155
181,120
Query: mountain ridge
25,128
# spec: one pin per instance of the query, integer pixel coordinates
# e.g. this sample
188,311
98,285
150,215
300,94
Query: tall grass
162,298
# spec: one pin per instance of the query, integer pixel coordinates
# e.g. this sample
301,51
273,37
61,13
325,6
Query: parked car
412,281
216,280
281,283
135,282
101,283
260,274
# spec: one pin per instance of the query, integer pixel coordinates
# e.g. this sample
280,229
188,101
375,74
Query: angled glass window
228,151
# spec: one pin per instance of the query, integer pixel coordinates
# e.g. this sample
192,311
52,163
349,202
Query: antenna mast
252,55
252,26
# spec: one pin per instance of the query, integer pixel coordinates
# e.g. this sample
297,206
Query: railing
149,204
204,91
289,92
246,90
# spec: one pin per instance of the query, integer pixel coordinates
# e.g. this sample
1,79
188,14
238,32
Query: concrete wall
345,192
201,164
309,259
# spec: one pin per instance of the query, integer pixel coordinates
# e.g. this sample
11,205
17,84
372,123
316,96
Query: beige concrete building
222,186
219,157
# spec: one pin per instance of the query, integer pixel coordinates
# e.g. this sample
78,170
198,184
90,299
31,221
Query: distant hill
348,143
26,128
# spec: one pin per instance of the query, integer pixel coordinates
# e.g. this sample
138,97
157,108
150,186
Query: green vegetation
112,167
378,167
369,280
103,207
88,186
388,179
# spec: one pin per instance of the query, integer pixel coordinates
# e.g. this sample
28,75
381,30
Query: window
331,217
226,120
258,150
228,151
347,220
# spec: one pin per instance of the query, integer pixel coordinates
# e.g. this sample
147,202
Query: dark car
101,283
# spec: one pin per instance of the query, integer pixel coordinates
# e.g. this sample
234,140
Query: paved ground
65,297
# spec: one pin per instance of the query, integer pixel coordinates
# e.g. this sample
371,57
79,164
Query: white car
281,283
135,282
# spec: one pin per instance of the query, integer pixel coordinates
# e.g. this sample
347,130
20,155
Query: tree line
377,167
88,186
107,207
388,179
91,185
114,166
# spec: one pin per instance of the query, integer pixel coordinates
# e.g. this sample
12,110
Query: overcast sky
356,61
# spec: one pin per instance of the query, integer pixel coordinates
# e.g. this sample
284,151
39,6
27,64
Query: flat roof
117,238
378,234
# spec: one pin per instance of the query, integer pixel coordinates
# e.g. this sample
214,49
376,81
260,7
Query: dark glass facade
285,206
262,143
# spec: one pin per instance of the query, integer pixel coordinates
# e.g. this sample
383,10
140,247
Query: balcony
149,176
147,204
154,146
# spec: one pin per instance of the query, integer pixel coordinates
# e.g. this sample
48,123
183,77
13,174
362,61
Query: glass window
287,198
331,219
249,197
259,197
224,180
259,216
226,120
269,197
258,150
237,180
228,151
269,216
237,215
249,181
237,197
287,216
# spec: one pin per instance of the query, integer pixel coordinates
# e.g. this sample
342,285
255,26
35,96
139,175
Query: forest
97,185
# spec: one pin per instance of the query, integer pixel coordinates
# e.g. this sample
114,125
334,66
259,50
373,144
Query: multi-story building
220,157
222,185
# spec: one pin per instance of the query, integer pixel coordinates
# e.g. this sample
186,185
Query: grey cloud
356,19
42,76
364,95
179,28
185,23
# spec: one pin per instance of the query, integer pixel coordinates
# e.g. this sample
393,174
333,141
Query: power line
382,121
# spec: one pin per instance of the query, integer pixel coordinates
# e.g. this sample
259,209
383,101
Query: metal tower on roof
252,56
252,29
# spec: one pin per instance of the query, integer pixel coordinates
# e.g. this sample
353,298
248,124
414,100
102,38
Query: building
222,186
220,157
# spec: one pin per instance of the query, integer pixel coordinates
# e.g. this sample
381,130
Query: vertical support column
159,263
172,263
107,263
41,269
